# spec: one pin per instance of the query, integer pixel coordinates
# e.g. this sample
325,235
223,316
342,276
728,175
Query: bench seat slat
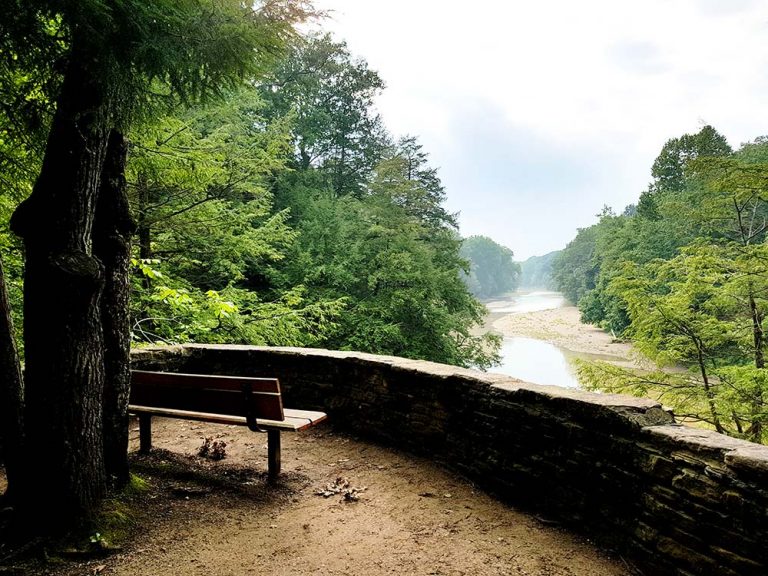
308,417
295,420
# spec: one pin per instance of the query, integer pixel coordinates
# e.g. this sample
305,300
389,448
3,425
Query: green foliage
687,284
374,267
368,212
694,311
492,270
536,272
187,50
336,128
168,309
199,186
575,268
669,168
404,178
399,277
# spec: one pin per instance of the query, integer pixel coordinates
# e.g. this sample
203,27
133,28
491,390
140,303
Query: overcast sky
539,112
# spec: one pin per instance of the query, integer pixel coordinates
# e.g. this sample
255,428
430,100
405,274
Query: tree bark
63,476
756,429
708,392
11,395
113,228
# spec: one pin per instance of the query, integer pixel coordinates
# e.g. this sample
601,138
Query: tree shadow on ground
166,487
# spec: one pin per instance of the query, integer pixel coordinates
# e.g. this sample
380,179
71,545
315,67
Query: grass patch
119,515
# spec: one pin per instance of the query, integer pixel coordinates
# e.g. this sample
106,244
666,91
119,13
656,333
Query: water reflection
535,361
530,302
530,359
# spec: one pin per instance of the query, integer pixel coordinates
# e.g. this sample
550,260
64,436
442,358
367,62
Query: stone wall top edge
735,452
607,400
443,371
174,349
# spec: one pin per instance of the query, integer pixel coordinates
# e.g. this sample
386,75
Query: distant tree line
492,269
536,272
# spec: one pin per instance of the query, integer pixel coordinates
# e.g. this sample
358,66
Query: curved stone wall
674,499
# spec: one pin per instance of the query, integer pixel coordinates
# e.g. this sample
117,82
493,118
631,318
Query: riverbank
562,327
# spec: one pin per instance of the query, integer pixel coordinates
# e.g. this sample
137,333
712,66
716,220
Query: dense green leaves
146,53
168,309
336,127
393,258
492,270
686,283
287,216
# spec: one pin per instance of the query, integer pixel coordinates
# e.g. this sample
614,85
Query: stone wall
673,499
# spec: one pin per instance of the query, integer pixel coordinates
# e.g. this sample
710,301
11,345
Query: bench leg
145,433
273,449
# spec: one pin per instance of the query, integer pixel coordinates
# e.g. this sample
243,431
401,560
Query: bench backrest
230,395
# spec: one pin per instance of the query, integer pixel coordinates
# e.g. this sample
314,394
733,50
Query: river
532,359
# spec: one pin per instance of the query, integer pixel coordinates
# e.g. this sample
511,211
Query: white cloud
588,80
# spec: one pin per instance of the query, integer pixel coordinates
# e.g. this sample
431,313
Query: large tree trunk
63,475
112,233
11,394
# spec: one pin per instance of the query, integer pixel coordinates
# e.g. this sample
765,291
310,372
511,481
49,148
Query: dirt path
411,518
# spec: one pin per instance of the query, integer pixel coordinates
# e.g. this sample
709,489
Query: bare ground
407,516
400,515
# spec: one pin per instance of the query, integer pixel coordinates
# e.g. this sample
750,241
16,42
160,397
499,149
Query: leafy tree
393,255
106,63
575,269
492,270
684,277
331,95
697,310
704,308
368,211
662,223
168,309
208,234
669,168
400,280
200,188
404,177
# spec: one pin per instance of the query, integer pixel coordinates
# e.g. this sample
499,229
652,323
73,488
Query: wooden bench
253,402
